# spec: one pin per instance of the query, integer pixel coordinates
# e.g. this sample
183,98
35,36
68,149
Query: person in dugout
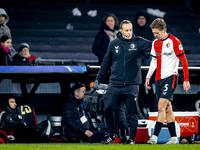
19,124
75,122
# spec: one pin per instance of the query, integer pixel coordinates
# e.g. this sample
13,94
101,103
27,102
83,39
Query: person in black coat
123,57
75,121
11,117
13,122
142,28
109,29
5,56
23,58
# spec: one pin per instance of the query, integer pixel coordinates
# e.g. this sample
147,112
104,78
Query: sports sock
158,127
172,129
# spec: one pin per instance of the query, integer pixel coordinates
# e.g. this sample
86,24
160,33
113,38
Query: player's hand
147,82
186,85
88,133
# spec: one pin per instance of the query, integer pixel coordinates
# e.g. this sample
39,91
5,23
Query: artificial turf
68,146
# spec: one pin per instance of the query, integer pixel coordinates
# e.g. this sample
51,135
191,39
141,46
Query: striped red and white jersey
167,52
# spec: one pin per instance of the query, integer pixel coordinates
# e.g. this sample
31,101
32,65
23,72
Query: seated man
23,58
75,122
13,120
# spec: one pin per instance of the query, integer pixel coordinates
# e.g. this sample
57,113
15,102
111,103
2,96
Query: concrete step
55,40
79,48
32,32
65,55
192,49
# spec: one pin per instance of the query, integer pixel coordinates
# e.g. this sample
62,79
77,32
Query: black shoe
129,142
108,140
122,140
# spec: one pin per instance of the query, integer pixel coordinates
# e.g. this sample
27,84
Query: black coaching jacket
123,58
71,114
10,118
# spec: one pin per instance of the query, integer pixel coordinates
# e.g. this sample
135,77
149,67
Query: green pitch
54,146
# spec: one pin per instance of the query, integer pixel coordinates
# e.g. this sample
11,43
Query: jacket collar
19,57
73,99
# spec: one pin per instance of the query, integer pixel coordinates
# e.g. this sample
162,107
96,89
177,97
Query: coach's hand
186,85
96,84
147,82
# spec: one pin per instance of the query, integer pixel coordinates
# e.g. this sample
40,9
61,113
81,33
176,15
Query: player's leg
162,105
161,91
171,124
169,113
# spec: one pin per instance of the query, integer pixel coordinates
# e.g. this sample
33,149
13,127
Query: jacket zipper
78,112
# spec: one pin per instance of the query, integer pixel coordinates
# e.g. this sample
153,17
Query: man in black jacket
75,121
123,57
19,121
23,58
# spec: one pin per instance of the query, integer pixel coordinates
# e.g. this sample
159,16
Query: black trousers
97,136
24,134
116,95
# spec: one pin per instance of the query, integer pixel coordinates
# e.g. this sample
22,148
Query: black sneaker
108,140
129,142
122,140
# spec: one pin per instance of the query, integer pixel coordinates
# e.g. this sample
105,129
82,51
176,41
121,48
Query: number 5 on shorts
166,88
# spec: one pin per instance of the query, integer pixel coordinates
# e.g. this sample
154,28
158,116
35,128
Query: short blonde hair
124,22
158,24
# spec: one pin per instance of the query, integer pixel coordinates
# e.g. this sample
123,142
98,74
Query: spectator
3,21
5,58
4,29
75,122
22,57
141,28
109,29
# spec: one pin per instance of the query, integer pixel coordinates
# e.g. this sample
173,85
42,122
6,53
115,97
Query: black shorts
165,87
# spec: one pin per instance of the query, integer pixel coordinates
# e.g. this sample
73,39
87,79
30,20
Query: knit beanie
22,45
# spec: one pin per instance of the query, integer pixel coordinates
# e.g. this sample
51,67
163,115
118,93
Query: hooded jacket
123,57
143,31
71,114
18,60
11,117
4,29
101,42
